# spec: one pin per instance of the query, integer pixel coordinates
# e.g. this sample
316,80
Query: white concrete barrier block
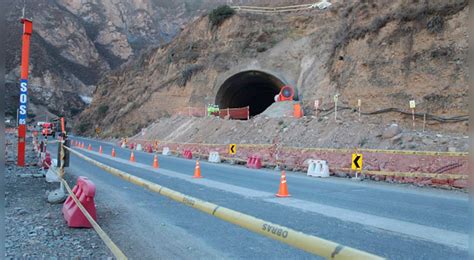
318,168
139,147
214,157
324,169
166,151
51,175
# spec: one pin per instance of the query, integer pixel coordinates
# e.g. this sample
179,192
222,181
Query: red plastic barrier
148,148
46,161
254,162
85,192
187,154
235,113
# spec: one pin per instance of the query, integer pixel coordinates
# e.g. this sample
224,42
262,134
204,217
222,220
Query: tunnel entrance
255,89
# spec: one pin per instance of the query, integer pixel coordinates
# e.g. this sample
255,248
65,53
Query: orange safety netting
230,113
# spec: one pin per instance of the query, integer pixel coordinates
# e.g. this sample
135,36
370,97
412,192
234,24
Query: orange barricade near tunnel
242,113
297,111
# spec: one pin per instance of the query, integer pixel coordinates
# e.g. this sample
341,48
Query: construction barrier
235,113
418,164
85,192
148,148
187,154
226,113
105,238
308,243
10,130
214,157
166,151
254,162
318,168
192,111
45,160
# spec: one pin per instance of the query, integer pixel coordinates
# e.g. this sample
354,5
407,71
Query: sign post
424,121
316,106
359,103
356,163
25,51
412,106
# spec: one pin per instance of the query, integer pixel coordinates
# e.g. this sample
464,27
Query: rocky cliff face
75,42
382,52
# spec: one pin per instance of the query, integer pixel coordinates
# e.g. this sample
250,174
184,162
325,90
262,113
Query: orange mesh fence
296,158
230,113
192,111
10,130
235,113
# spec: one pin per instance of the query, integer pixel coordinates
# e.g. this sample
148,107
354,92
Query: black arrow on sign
232,147
356,161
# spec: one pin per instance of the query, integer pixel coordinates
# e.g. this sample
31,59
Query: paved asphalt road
394,221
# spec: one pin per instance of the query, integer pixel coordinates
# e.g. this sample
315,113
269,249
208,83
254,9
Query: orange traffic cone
82,145
283,191
155,162
113,152
132,157
197,170
100,149
89,147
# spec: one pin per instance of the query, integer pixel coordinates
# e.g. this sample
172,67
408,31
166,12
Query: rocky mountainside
383,52
76,42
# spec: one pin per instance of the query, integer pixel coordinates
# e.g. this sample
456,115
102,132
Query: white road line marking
427,233
432,234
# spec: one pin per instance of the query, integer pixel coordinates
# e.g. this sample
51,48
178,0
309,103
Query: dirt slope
383,52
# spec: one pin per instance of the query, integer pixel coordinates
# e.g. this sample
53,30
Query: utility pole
22,114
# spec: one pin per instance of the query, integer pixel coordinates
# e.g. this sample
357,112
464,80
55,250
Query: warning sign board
356,161
232,148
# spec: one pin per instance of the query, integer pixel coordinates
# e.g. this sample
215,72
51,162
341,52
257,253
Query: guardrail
308,243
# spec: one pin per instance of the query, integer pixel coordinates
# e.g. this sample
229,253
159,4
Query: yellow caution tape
381,173
406,152
349,151
413,174
105,238
308,243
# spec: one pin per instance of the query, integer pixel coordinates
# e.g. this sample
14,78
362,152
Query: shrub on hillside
218,15
83,127
436,24
103,109
187,73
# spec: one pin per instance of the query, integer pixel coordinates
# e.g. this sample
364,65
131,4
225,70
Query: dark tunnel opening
255,89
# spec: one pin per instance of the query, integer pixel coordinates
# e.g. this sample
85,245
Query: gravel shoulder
33,227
